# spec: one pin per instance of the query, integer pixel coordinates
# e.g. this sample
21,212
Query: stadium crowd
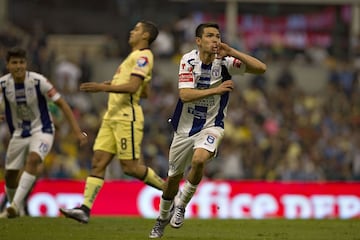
273,133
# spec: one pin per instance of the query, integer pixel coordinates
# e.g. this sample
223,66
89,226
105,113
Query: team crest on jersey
215,72
30,92
142,61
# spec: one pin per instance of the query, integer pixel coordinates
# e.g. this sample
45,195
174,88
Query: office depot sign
213,199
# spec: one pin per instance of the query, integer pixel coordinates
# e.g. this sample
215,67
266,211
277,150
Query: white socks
165,206
187,193
25,184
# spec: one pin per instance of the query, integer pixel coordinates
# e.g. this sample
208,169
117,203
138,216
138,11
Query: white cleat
158,229
177,219
77,213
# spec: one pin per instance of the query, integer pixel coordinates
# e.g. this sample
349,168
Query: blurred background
298,122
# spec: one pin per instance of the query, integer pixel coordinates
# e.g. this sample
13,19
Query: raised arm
253,65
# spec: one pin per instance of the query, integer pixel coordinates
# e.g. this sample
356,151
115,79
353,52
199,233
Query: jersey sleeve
49,90
235,66
143,64
186,76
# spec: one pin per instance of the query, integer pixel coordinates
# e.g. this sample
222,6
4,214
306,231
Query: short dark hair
151,28
200,29
15,52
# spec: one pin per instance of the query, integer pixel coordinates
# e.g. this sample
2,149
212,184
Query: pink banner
213,199
295,31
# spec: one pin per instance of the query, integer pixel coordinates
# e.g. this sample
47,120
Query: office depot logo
213,199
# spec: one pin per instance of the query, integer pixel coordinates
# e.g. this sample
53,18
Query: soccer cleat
177,220
78,213
158,229
12,211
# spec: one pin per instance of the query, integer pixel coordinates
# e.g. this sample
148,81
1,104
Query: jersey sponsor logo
192,62
186,77
189,69
142,61
205,102
51,92
25,113
197,114
237,63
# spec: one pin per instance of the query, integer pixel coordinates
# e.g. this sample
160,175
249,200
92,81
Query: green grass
138,228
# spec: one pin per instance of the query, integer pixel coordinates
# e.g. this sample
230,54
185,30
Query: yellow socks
92,188
153,179
94,184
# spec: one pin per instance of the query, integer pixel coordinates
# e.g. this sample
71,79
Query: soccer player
121,131
25,95
198,120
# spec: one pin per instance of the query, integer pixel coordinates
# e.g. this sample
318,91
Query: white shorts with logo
19,148
182,148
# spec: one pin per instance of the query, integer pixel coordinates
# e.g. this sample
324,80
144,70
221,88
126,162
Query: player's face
136,34
17,67
209,40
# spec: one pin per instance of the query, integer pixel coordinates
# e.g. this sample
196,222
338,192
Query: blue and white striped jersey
26,106
191,117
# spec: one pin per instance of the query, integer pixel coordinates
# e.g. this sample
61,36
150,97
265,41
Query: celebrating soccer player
198,120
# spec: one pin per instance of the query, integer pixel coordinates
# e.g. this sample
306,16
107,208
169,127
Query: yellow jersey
125,106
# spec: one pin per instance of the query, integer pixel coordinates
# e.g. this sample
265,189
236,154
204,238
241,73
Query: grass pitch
128,228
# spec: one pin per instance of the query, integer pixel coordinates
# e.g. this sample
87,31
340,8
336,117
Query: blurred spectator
164,45
67,77
2,60
316,54
85,67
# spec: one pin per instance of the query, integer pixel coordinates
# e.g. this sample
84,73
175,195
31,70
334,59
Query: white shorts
19,148
182,148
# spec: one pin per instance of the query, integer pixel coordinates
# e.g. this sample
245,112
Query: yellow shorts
121,138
